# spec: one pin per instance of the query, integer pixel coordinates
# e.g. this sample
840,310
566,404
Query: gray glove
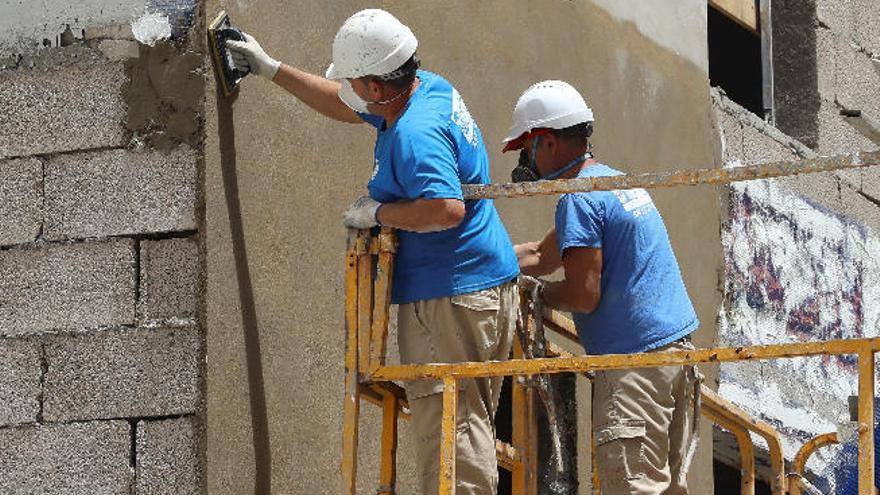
250,55
362,213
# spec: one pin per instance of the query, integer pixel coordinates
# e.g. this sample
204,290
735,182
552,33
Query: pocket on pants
620,448
481,317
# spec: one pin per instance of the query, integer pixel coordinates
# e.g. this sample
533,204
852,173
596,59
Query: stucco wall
278,177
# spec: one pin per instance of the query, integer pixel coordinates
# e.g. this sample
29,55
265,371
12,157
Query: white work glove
250,55
362,213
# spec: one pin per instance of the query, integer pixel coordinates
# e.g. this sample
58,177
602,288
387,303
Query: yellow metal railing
369,265
367,332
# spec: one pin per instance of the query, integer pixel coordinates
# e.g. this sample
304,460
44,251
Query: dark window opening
735,61
727,481
504,432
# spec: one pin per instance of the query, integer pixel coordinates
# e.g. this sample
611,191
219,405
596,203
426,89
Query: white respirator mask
358,104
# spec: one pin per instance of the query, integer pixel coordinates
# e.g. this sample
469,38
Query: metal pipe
766,18
351,402
866,422
447,438
385,246
687,177
720,406
746,449
798,465
438,371
388,463
364,298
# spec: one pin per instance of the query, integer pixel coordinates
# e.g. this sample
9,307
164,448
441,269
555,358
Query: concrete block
837,15
759,147
732,131
169,279
870,182
120,192
20,372
836,136
122,373
821,189
826,63
54,59
857,81
112,31
67,286
168,459
71,108
859,207
867,25
117,50
71,459
21,200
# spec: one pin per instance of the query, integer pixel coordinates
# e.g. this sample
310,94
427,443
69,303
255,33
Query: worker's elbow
588,301
453,213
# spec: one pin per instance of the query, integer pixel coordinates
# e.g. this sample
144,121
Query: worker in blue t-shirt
624,289
455,266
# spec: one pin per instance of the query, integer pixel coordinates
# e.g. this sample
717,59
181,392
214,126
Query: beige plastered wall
278,177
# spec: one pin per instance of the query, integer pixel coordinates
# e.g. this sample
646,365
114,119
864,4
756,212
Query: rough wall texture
101,350
278,177
799,251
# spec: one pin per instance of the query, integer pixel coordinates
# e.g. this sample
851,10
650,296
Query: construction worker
623,287
455,265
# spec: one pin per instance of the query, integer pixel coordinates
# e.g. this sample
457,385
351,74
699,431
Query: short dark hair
578,132
403,76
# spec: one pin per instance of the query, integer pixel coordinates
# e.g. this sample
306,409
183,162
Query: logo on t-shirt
462,117
636,201
375,169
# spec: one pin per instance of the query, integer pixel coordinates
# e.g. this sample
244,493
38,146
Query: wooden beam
741,11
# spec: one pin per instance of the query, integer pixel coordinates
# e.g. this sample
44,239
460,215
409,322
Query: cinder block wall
101,343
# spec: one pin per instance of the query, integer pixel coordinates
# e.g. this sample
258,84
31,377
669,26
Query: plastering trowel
219,31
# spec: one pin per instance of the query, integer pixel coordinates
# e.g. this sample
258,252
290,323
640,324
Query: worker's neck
393,110
574,155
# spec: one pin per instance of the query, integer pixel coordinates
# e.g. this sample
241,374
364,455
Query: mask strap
395,97
570,165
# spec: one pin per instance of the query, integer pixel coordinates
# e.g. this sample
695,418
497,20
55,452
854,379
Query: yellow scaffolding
369,265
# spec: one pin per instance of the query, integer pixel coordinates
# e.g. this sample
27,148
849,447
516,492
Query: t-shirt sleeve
374,120
579,222
427,166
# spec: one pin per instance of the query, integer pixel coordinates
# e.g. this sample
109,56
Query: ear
551,142
375,89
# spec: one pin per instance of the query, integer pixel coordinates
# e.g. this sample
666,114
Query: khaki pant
478,326
644,422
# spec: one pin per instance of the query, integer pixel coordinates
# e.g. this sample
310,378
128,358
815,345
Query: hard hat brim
514,144
332,73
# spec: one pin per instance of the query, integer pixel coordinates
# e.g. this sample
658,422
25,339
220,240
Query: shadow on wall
253,354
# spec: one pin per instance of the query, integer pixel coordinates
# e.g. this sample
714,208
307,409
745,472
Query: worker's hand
362,213
249,54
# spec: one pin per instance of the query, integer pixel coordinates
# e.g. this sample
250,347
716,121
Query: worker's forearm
317,92
422,215
560,295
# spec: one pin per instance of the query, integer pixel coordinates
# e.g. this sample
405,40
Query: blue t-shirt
433,148
644,304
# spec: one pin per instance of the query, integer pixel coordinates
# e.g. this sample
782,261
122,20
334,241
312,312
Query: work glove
362,213
250,55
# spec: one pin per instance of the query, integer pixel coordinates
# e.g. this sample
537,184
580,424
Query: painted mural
796,272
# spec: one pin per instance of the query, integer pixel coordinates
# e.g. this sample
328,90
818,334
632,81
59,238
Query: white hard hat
372,42
546,105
